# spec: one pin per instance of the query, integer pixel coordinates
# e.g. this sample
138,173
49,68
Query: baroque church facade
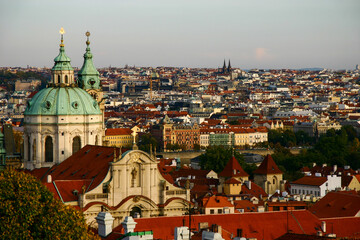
67,115
63,135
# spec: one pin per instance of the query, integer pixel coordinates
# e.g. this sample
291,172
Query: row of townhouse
232,136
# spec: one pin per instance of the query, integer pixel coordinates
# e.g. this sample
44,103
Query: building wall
135,182
62,130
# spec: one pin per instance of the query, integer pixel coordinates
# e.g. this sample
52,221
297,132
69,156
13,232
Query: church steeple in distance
88,76
224,67
229,67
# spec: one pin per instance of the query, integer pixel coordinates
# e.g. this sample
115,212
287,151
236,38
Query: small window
219,210
212,211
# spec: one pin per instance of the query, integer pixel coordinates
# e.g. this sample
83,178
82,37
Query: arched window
58,77
76,145
66,79
34,150
49,155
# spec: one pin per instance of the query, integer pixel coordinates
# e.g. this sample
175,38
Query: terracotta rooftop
89,163
266,226
268,166
118,131
216,202
337,204
310,180
233,169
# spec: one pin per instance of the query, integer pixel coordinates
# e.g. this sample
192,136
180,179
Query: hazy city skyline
252,34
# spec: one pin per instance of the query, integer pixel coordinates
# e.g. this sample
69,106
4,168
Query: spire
88,75
224,67
62,72
229,67
62,62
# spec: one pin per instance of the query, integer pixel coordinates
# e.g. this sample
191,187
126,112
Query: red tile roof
337,204
118,131
216,202
255,190
89,163
268,166
267,226
246,205
311,180
233,169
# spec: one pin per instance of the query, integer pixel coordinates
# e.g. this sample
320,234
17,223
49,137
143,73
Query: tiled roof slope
233,169
337,204
311,180
268,166
89,163
267,226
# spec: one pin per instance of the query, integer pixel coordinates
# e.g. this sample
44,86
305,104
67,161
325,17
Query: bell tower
89,80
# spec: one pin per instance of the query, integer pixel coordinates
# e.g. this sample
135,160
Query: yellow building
119,137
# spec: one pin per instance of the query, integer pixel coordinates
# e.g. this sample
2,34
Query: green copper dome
62,101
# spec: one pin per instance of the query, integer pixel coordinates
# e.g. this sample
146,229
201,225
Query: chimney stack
128,224
105,221
323,226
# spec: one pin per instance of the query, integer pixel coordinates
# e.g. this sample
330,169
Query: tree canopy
147,140
340,148
28,210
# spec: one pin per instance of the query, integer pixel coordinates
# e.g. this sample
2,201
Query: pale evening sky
183,33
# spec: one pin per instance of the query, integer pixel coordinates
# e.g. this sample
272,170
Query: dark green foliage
288,138
216,157
333,148
28,210
147,140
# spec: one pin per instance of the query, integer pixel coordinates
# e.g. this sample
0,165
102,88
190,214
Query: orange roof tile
311,180
233,169
118,131
337,204
268,166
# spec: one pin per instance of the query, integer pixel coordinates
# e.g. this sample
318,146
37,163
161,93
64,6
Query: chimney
128,224
248,184
324,165
239,232
314,164
323,226
105,221
234,171
334,168
49,179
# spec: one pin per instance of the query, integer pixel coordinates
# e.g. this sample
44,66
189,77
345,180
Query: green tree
147,140
28,210
216,157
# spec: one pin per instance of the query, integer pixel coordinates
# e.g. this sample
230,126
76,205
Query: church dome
62,101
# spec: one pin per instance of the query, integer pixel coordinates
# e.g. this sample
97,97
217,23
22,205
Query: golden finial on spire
62,31
88,35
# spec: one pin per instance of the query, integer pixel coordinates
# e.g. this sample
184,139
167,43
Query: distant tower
229,67
89,80
269,176
224,67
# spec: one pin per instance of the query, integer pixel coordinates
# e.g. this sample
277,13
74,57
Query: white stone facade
62,130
